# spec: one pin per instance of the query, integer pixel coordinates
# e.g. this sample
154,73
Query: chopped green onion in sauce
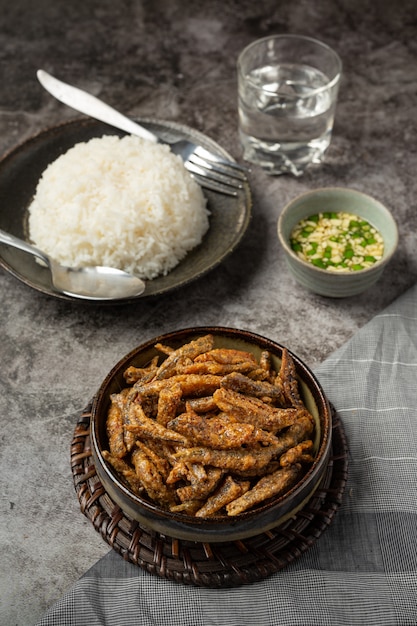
337,241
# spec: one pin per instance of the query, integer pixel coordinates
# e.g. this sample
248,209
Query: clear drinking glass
287,88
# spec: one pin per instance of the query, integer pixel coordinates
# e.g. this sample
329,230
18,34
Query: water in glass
286,114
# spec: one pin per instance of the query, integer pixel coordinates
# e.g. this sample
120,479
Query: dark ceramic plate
216,528
21,169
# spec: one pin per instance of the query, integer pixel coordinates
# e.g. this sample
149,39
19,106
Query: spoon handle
90,105
15,242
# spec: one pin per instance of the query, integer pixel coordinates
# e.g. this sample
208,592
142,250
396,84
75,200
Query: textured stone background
175,60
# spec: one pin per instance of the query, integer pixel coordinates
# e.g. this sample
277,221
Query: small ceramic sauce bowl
336,199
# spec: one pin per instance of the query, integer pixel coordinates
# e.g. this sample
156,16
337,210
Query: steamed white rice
122,202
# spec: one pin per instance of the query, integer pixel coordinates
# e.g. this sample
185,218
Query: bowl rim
210,523
294,37
336,190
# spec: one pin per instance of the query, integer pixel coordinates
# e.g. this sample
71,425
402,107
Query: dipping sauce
337,241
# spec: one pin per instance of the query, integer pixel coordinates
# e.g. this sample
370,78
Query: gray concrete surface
176,60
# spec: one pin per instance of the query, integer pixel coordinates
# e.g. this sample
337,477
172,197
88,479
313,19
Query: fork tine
210,174
215,158
209,182
213,186
218,168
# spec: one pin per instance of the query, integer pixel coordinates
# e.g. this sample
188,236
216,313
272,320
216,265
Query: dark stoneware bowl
218,528
22,167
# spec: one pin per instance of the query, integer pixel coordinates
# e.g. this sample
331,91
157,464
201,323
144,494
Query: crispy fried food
301,453
141,425
141,374
127,472
201,489
239,459
257,388
212,367
301,429
168,403
161,347
228,491
247,459
288,380
210,430
125,399
265,361
196,473
115,428
161,464
190,507
179,471
254,473
268,486
196,385
151,479
228,356
189,350
206,404
160,448
219,432
254,411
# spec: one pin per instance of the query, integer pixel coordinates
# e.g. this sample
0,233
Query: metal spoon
89,283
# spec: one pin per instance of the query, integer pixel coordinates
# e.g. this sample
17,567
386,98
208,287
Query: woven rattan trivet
207,564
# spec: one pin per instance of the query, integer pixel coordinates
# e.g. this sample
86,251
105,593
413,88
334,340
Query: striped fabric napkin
363,569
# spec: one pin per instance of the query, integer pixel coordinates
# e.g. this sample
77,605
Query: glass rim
317,42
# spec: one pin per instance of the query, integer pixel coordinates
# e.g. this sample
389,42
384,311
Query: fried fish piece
302,429
160,463
164,348
250,474
287,378
194,385
169,401
219,432
268,486
126,398
238,459
166,449
227,356
257,388
188,350
115,428
141,425
196,473
151,479
248,459
228,491
212,367
301,453
205,404
189,507
127,472
160,448
265,362
179,471
134,374
201,489
254,410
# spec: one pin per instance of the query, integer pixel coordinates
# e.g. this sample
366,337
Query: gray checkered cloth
363,569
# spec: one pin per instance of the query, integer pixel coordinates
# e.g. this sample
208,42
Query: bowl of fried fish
211,434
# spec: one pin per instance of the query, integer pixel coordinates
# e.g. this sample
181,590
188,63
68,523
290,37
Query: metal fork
209,169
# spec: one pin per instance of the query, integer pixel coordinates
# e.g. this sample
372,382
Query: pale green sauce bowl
337,199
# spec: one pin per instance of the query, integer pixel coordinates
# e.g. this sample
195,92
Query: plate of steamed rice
88,194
